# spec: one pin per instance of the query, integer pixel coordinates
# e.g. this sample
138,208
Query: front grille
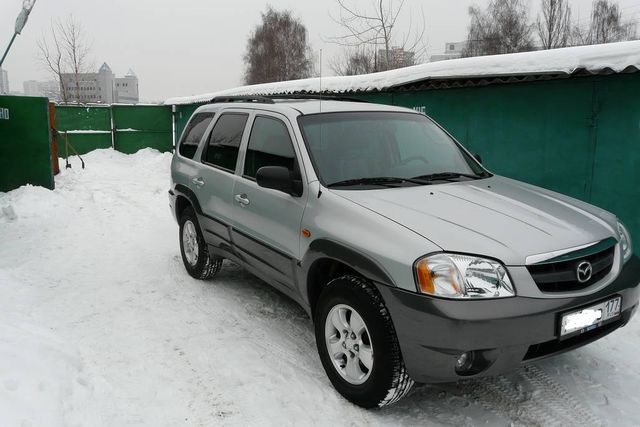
562,276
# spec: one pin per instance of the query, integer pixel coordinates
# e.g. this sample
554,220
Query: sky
189,47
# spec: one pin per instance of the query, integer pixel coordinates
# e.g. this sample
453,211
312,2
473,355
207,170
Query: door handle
242,199
198,182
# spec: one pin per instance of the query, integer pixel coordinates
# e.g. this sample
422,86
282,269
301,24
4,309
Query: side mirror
278,178
478,158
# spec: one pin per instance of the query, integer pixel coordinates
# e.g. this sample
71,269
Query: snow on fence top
616,57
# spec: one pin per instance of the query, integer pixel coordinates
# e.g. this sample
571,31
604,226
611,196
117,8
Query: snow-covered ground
101,325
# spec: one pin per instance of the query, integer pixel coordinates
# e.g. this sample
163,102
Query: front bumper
504,333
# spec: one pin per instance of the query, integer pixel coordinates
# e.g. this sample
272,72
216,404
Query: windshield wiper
380,180
447,176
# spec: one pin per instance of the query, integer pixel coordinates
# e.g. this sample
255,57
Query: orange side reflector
306,233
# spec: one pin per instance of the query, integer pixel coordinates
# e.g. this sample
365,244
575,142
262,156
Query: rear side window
193,134
269,145
224,141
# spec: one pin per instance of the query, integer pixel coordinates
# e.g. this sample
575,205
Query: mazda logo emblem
584,271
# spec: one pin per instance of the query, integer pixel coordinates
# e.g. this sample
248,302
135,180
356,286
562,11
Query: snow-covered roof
613,57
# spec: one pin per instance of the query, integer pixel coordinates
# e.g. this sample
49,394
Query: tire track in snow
263,310
530,398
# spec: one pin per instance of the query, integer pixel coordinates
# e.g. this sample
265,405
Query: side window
269,145
224,142
193,134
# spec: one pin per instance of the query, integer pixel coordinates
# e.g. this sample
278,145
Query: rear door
213,184
267,222
185,166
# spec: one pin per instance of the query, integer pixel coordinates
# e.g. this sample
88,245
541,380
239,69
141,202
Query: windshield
359,145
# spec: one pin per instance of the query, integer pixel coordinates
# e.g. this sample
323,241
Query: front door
266,223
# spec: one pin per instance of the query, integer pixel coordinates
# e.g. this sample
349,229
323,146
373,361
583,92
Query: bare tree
374,35
502,28
65,50
51,56
278,49
606,25
354,61
554,24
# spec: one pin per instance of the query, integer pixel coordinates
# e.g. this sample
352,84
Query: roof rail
248,98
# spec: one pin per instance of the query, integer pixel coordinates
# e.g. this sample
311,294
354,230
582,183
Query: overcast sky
188,47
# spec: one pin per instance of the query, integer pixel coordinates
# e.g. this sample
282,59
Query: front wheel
357,344
195,254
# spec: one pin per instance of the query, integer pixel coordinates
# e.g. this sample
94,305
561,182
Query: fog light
464,362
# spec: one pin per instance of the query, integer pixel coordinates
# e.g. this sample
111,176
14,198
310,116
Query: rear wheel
357,344
195,254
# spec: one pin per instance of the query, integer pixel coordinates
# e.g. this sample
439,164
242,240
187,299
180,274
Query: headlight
462,277
625,242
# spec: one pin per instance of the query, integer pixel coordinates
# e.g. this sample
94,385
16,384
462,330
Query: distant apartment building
4,82
398,57
101,87
452,50
49,89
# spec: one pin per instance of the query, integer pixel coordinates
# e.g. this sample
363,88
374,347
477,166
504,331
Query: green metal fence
126,128
25,144
142,126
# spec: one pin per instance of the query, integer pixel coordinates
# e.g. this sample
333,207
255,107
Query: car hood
496,217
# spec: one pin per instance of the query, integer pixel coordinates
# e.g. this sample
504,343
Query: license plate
587,319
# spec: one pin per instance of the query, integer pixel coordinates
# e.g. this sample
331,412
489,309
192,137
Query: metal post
8,47
21,21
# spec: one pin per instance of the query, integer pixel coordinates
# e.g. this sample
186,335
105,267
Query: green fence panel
616,170
94,120
25,144
142,117
83,142
83,118
142,126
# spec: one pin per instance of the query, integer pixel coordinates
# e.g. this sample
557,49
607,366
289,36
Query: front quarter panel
388,245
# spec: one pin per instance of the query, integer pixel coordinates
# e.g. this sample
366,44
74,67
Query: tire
196,258
387,380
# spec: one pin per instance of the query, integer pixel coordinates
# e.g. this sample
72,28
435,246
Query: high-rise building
101,87
4,82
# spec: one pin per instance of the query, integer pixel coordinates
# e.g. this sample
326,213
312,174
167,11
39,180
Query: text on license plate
591,317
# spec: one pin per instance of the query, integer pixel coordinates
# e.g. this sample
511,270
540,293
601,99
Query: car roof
307,106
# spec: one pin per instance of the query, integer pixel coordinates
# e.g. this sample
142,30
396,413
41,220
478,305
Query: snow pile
101,325
614,56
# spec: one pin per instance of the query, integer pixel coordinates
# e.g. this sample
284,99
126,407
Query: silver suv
414,262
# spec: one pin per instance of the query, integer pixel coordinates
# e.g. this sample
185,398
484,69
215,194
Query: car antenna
320,82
